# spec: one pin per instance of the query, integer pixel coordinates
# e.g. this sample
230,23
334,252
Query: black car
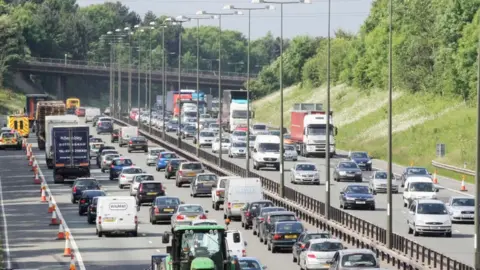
149,190
162,209
269,223
256,221
101,153
82,184
137,143
92,211
415,171
114,135
251,210
357,196
86,199
303,238
284,234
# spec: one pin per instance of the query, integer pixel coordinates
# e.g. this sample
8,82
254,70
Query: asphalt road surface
459,247
31,239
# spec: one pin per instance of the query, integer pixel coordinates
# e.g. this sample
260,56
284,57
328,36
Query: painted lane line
150,242
7,258
78,256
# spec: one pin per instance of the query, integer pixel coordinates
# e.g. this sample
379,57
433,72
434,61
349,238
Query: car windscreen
167,201
431,209
357,190
122,162
152,186
110,157
141,178
305,167
347,165
207,178
239,144
289,227
359,155
86,183
358,260
207,134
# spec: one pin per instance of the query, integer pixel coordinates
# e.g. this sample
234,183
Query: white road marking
5,229
457,231
158,250
78,256
19,176
150,242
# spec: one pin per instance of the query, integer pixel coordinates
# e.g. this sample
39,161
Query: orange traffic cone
42,187
30,161
72,262
61,232
67,235
51,206
36,179
68,250
435,180
54,220
35,165
463,187
28,153
43,198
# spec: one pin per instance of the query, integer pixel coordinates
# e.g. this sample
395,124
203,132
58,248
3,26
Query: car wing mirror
341,192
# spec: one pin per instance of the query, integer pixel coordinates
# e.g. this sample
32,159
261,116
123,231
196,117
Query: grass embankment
419,122
11,102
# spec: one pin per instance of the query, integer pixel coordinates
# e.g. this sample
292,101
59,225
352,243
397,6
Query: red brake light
82,201
203,216
180,173
123,176
111,166
130,142
74,189
277,237
229,205
311,256
156,210
261,219
136,220
99,220
247,213
244,253
140,189
169,168
218,193
302,246
104,162
180,217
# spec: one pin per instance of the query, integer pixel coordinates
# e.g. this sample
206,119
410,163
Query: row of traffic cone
52,208
462,185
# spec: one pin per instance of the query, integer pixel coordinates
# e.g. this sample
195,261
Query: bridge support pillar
61,87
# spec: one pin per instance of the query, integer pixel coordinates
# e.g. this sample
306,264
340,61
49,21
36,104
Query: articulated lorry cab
71,152
308,130
234,109
51,122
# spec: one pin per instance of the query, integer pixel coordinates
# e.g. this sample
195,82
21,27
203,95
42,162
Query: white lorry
50,123
266,152
90,113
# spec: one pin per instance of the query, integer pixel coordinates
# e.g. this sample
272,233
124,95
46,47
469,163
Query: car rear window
223,182
139,139
317,236
191,208
262,204
191,166
358,260
86,182
284,217
167,201
112,156
126,162
207,178
289,227
132,170
150,186
169,155
92,194
95,140
141,178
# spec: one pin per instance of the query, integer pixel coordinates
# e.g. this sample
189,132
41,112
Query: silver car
461,208
237,149
137,179
347,170
378,182
290,152
318,252
205,137
186,213
305,173
238,136
106,161
94,147
152,155
214,127
203,184
347,259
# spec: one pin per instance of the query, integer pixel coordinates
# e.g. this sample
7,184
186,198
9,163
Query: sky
299,19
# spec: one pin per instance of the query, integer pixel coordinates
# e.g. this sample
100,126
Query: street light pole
390,101
476,244
328,131
219,16
152,24
164,84
129,105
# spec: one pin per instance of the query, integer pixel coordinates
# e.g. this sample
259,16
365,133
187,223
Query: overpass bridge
62,69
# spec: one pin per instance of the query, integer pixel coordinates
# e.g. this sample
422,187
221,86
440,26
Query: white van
238,192
235,244
125,134
266,152
90,113
116,214
418,187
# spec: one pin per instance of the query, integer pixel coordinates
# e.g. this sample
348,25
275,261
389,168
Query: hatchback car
260,218
92,211
427,216
137,144
172,167
163,159
378,182
238,136
187,171
461,208
251,210
284,234
413,171
137,179
304,238
305,173
237,149
258,128
205,138
318,253
270,219
104,126
101,152
185,213
107,161
148,191
117,166
152,155
86,199
126,175
357,196
203,184
188,131
114,135
224,146
250,263
347,170
290,152
163,208
81,184
354,259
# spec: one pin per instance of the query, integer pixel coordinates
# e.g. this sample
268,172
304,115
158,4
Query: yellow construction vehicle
72,104
20,123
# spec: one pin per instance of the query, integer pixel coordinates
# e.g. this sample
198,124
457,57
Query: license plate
360,202
325,265
191,174
138,147
238,206
152,193
108,219
290,236
269,165
192,217
241,151
168,210
351,174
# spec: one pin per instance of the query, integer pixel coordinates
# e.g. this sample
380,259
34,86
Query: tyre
217,206
135,233
99,233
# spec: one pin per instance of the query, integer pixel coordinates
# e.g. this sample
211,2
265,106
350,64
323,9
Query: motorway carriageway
31,239
459,247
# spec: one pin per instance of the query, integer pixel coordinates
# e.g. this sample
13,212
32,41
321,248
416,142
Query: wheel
341,206
254,232
372,208
158,169
74,201
294,259
80,213
449,234
120,186
129,151
410,230
194,195
102,170
135,233
274,249
269,248
99,233
243,224
415,233
90,221
217,206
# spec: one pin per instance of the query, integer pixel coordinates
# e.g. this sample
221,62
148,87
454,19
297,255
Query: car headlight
420,222
350,199
369,162
342,173
298,175
447,222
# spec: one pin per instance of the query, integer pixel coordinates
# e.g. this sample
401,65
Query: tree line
434,49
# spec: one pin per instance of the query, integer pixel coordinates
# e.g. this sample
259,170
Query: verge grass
11,102
420,121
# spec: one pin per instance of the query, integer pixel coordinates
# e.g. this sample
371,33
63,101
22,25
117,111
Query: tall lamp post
119,77
117,39
390,101
476,244
282,3
198,71
219,17
179,21
129,97
152,26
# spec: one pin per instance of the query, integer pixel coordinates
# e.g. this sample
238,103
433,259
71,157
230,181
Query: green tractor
196,248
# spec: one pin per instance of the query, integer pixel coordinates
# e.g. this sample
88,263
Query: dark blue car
104,127
82,184
357,196
163,159
171,126
117,166
87,198
362,160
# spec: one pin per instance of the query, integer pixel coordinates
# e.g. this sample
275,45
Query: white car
427,216
137,179
152,155
205,138
259,128
237,149
461,208
126,176
225,145
318,253
214,127
305,173
290,152
239,136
